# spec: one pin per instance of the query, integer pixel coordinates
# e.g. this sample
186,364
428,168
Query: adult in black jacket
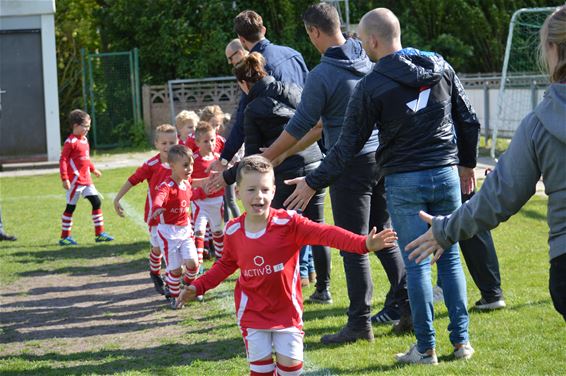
270,105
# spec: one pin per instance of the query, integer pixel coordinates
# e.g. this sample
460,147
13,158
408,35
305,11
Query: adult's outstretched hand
426,244
301,196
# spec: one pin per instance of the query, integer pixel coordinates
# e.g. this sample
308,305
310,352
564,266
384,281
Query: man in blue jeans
428,137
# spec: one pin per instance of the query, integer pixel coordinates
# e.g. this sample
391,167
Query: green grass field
44,333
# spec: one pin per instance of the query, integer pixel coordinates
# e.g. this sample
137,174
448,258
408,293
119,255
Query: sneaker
10,238
347,335
464,351
413,356
67,241
484,305
200,298
157,283
386,316
437,294
103,237
404,326
321,297
172,302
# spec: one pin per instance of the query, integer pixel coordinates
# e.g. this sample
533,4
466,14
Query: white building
29,104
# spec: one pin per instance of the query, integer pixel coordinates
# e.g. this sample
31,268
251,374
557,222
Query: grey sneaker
347,335
321,297
484,305
413,356
464,352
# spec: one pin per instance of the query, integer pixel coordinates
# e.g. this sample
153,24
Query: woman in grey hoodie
538,148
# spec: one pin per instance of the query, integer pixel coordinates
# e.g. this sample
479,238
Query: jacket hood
412,67
552,111
350,56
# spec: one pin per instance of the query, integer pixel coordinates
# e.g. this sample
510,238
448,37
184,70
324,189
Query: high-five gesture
384,239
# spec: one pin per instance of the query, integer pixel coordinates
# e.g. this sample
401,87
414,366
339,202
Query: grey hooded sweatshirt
538,148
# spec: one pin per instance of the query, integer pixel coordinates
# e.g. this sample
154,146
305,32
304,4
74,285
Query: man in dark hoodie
358,202
428,133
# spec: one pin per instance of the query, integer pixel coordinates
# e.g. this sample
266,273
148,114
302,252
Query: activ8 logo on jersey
262,269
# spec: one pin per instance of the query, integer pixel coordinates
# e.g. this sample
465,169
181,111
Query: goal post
521,76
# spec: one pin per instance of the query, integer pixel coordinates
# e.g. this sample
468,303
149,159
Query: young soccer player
264,244
155,170
186,122
170,208
75,167
209,210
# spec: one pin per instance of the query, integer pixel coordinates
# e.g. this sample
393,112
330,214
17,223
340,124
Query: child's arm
125,188
63,160
159,199
222,269
309,232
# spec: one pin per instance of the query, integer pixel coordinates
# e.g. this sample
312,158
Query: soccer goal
521,76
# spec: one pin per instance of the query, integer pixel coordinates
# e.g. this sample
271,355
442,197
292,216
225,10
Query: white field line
131,212
34,197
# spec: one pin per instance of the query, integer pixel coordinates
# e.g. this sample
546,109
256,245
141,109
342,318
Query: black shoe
157,283
490,304
347,335
404,326
10,238
321,297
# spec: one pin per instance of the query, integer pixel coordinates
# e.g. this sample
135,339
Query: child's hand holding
97,173
187,294
66,184
118,208
384,239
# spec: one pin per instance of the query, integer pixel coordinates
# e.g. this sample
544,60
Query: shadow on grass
111,269
153,359
79,252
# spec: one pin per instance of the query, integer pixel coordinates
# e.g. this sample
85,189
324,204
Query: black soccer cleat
157,283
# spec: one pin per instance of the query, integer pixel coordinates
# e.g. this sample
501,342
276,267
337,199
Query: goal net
521,76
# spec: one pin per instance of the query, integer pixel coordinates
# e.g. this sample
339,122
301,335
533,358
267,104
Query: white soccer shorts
260,343
76,191
177,245
153,236
209,210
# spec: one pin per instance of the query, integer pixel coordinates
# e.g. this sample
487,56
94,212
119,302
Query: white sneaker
413,356
464,352
200,298
437,294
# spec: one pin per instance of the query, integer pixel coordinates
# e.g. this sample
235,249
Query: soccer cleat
484,305
157,283
321,297
386,316
103,237
413,356
347,335
464,351
172,300
67,241
200,298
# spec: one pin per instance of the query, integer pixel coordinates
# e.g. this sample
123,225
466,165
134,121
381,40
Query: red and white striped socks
218,241
155,262
174,284
98,221
190,275
66,224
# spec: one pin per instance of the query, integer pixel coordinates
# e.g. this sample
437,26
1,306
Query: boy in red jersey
155,170
75,167
264,243
209,210
186,122
170,208
220,141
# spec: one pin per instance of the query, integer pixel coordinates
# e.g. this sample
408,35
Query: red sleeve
161,196
309,232
91,166
142,173
222,269
198,194
64,160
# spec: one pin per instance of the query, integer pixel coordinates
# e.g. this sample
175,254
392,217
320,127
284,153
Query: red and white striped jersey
154,172
191,143
175,199
75,164
268,292
199,169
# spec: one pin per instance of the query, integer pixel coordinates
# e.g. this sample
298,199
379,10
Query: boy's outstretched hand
377,241
187,294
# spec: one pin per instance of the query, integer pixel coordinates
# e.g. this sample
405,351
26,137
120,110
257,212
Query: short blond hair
164,128
209,112
178,152
202,128
184,116
254,163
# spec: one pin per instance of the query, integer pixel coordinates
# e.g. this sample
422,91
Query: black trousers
557,283
358,204
482,262
314,211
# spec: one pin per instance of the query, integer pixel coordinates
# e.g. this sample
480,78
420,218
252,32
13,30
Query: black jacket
422,114
271,104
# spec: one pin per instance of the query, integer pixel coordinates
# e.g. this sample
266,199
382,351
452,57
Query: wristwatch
223,162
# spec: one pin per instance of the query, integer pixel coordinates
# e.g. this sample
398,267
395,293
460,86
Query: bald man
428,132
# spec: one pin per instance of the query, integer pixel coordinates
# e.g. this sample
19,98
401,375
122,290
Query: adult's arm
236,138
505,190
357,128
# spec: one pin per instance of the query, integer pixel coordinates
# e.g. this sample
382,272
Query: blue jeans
306,262
436,191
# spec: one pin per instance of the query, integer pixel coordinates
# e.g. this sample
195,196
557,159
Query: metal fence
111,94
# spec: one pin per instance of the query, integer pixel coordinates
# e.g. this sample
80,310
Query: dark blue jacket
284,64
424,118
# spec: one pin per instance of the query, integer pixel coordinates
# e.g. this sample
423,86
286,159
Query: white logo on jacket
421,102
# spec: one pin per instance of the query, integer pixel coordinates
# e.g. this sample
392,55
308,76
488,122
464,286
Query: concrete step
28,166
